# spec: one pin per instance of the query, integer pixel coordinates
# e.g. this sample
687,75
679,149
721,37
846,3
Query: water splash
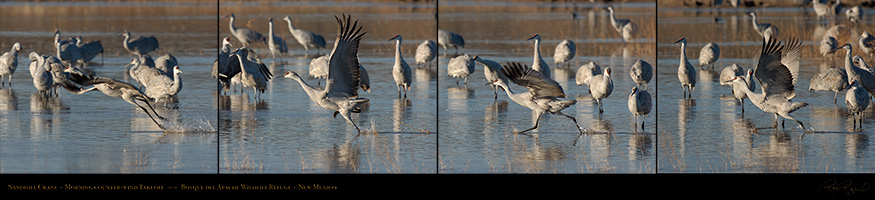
198,124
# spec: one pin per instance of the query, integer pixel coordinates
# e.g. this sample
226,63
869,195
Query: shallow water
709,132
285,132
478,131
95,133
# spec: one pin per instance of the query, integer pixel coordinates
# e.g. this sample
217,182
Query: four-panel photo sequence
437,87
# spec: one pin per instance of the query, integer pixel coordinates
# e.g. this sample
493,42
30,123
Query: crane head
396,37
608,71
177,70
846,46
634,90
853,83
270,19
682,40
535,37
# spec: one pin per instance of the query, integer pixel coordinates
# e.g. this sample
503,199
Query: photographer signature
847,186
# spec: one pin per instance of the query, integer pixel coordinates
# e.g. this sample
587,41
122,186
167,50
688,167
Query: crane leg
537,122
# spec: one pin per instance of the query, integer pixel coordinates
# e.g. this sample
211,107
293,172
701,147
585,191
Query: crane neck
398,51
177,82
849,62
270,29
537,50
683,52
231,25
291,27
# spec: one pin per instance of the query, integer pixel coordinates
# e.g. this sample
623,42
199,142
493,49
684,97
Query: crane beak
533,37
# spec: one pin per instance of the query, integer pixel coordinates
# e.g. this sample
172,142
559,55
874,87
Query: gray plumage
319,68
828,45
401,71
275,43
364,79
139,45
738,92
821,9
585,72
641,73
564,52
709,55
68,52
88,50
461,67
119,89
640,103
859,62
42,76
539,64
448,38
543,96
165,63
492,71
831,79
867,43
857,100
341,91
729,73
774,73
306,38
862,76
854,14
425,53
686,71
601,86
9,62
246,36
624,27
252,71
222,62
766,30
159,86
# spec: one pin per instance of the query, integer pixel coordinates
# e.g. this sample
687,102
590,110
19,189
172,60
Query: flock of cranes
65,69
777,69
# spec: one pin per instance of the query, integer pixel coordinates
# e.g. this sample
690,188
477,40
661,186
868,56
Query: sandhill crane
88,50
624,27
863,76
448,38
564,52
828,46
738,92
425,53
165,63
821,9
9,62
867,43
252,71
854,14
319,68
777,72
859,62
306,38
601,86
68,52
766,30
543,96
161,87
836,8
539,64
341,89
275,43
686,71
729,73
831,79
641,73
585,73
401,70
222,62
709,55
492,71
120,89
246,36
42,76
139,45
640,103
461,67
857,101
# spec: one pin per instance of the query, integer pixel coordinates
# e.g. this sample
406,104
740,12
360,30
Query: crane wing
774,76
343,66
539,86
